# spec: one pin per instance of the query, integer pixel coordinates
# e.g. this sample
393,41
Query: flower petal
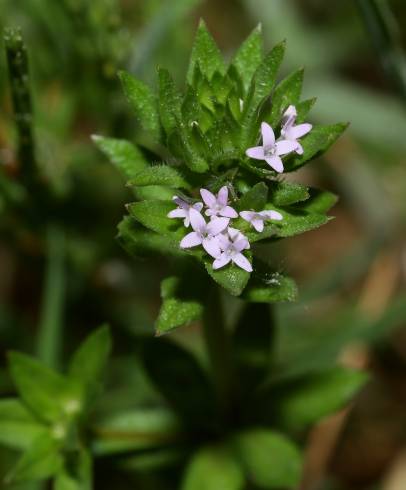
198,206
300,130
191,240
268,136
247,215
222,196
229,212
180,202
221,261
242,262
177,213
223,241
217,225
197,220
270,214
258,224
208,198
241,244
275,162
299,149
285,146
212,246
256,152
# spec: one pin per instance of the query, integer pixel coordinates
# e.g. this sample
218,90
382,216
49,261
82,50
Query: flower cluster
271,149
221,241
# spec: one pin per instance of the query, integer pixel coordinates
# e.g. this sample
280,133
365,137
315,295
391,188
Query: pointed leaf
232,278
140,242
76,473
154,215
314,144
303,108
270,460
181,304
41,460
123,154
270,287
169,101
213,468
284,193
160,175
307,400
18,427
255,199
206,54
143,102
89,360
286,93
48,394
319,202
249,56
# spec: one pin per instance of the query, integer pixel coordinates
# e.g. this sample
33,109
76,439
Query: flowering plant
207,169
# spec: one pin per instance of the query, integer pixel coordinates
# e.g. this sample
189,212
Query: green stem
385,35
17,61
218,348
51,322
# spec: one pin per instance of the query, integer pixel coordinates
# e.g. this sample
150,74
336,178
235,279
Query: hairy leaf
249,56
160,175
286,93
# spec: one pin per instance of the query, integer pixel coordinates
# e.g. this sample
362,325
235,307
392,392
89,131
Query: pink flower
204,234
256,219
232,244
291,132
271,150
217,206
183,210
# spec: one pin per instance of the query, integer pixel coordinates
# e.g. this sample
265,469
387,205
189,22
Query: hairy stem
218,347
17,61
385,35
51,322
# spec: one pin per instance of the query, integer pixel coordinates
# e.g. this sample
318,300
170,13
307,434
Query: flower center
269,151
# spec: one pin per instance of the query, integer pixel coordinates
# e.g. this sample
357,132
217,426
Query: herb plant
210,193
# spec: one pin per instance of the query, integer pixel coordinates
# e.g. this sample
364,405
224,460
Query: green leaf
249,56
76,473
179,378
135,429
270,460
314,144
295,222
169,101
286,93
213,468
143,102
206,54
88,362
160,175
48,394
319,202
303,108
154,215
41,460
181,304
255,199
307,400
285,193
140,242
260,89
230,277
270,287
123,154
18,427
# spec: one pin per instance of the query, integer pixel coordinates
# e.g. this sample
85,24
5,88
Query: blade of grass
385,36
51,323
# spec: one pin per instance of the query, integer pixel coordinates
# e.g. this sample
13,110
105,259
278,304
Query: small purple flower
232,246
291,132
217,206
271,150
205,233
256,219
183,210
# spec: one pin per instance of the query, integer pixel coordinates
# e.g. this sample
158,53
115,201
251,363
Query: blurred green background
60,263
